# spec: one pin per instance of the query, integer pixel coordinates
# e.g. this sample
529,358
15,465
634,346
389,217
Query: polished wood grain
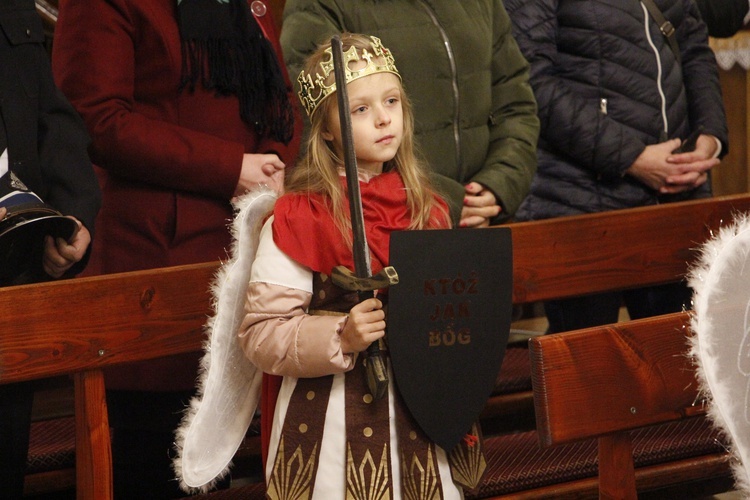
606,379
617,250
603,382
84,324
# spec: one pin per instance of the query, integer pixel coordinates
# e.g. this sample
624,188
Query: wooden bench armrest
597,381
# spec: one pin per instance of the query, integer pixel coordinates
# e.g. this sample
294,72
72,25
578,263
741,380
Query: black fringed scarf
224,48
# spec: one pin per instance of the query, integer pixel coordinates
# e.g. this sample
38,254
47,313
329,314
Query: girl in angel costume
324,435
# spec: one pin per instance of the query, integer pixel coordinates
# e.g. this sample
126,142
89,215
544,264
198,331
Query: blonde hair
318,170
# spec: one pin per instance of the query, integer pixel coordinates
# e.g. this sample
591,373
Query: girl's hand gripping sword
377,376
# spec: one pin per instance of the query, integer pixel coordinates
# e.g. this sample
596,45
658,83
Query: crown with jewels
313,88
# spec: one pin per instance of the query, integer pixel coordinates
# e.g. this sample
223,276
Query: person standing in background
43,150
616,99
188,106
475,113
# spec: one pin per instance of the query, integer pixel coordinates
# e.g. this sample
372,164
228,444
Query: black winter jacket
607,85
47,140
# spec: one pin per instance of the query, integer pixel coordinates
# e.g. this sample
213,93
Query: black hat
27,221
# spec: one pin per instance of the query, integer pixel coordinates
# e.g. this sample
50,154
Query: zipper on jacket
665,128
454,81
603,105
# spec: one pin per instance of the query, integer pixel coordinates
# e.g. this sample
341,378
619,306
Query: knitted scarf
224,49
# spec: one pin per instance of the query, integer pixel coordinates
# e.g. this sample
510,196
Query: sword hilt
374,361
375,370
342,277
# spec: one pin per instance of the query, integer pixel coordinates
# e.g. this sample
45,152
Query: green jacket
475,111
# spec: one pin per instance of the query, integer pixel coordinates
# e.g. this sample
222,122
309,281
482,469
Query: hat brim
22,240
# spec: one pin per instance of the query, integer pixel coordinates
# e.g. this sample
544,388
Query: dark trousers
143,425
603,309
16,401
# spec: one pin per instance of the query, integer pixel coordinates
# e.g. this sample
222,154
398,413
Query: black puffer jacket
608,85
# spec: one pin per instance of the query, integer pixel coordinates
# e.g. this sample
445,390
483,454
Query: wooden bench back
570,256
611,378
602,382
79,326
69,326
610,251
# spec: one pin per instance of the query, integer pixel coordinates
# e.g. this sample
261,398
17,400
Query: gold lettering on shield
452,306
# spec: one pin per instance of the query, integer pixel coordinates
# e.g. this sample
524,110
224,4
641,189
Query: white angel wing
721,337
228,384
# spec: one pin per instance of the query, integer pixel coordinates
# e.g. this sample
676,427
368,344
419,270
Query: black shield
448,324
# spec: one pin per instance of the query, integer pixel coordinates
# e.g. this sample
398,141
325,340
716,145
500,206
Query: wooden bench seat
663,455
51,462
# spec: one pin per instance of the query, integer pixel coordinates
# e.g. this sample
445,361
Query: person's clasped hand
480,206
668,172
60,255
261,170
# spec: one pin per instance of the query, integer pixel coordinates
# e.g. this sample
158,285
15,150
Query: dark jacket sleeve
47,140
723,17
511,161
72,187
701,77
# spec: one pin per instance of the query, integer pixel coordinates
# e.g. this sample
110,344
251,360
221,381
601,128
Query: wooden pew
80,326
618,414
619,250
604,382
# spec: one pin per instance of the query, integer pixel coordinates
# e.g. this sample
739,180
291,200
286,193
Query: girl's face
377,120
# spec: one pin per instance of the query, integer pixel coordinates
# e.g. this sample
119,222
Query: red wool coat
168,161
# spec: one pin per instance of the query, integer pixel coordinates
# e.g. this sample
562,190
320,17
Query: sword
377,376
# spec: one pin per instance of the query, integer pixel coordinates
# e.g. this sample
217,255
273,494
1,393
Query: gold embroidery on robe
368,480
420,481
292,479
467,460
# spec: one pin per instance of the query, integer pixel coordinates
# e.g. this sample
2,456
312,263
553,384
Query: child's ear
327,136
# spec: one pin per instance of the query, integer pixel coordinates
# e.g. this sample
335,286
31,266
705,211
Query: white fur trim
721,332
228,384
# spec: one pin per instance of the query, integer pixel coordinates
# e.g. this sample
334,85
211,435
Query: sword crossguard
346,279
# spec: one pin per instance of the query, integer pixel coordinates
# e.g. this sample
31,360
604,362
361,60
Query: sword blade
377,375
360,249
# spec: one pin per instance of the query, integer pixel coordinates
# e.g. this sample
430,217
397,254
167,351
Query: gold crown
313,92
